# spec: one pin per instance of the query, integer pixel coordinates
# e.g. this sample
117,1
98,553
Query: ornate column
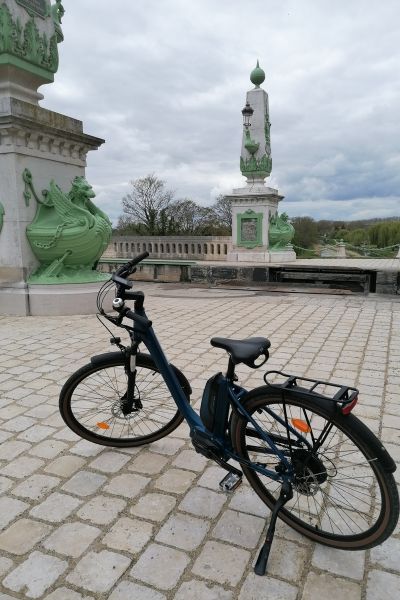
53,149
259,234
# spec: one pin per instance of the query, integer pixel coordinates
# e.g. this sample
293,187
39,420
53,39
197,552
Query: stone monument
51,232
259,234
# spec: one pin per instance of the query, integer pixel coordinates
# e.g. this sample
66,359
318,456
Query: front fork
130,401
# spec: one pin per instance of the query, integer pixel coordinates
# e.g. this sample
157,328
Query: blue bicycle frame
143,332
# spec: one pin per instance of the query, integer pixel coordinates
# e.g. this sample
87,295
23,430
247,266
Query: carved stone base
249,256
283,256
50,300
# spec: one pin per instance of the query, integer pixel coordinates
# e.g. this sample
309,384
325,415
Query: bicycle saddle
244,351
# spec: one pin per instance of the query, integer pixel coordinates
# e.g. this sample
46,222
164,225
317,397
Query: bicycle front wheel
92,398
343,497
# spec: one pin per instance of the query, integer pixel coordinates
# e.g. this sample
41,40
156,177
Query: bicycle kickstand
285,495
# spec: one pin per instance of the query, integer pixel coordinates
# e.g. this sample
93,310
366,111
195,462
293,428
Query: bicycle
309,459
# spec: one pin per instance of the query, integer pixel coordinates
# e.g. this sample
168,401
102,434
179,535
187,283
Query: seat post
230,374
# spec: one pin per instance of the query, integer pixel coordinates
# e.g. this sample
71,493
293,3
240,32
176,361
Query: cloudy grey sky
164,82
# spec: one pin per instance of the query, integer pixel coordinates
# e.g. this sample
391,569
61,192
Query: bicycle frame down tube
151,342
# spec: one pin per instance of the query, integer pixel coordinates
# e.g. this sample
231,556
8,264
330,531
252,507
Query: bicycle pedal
230,482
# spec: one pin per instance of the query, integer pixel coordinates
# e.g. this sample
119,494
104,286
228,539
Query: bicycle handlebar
128,267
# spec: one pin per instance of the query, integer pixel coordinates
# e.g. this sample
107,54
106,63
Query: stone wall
170,247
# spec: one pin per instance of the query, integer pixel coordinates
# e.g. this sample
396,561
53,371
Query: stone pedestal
51,146
252,208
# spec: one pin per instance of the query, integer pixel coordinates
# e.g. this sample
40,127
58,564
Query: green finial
257,76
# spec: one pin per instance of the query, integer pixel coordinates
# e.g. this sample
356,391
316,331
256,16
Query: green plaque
249,229
39,7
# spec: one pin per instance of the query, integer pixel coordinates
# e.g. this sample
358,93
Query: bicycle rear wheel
343,497
91,403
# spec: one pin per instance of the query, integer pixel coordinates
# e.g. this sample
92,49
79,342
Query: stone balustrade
171,247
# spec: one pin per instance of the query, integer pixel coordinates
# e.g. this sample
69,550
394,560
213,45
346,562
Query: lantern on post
247,113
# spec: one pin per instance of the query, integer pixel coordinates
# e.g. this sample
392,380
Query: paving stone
256,587
246,500
9,509
175,480
339,562
382,586
5,484
22,467
101,509
325,586
85,448
129,535
98,571
160,566
19,424
55,508
127,485
387,555
239,528
167,445
286,560
84,483
6,565
37,433
36,486
34,576
211,478
200,590
148,463
71,539
5,435
48,449
129,590
154,506
221,563
22,536
10,450
109,462
42,411
189,459
65,466
202,502
183,531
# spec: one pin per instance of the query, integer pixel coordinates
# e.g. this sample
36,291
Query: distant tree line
373,232
152,209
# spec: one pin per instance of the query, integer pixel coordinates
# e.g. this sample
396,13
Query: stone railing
170,247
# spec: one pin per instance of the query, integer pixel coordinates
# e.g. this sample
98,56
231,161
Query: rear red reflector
346,410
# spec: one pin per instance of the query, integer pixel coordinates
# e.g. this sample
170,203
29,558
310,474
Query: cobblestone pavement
79,521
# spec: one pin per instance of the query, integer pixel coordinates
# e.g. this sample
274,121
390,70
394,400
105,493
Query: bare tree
223,211
148,204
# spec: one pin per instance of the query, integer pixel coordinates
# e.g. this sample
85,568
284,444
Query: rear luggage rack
343,395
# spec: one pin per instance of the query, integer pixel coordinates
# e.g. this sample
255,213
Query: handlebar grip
138,259
127,268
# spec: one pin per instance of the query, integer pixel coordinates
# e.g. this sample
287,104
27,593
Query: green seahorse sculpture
68,234
281,231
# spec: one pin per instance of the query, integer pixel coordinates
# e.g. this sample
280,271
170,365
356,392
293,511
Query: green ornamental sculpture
68,234
2,212
281,232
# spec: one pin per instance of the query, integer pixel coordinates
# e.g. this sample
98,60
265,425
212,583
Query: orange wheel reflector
103,425
301,425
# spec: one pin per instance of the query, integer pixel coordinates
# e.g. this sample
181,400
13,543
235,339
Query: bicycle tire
331,508
90,402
